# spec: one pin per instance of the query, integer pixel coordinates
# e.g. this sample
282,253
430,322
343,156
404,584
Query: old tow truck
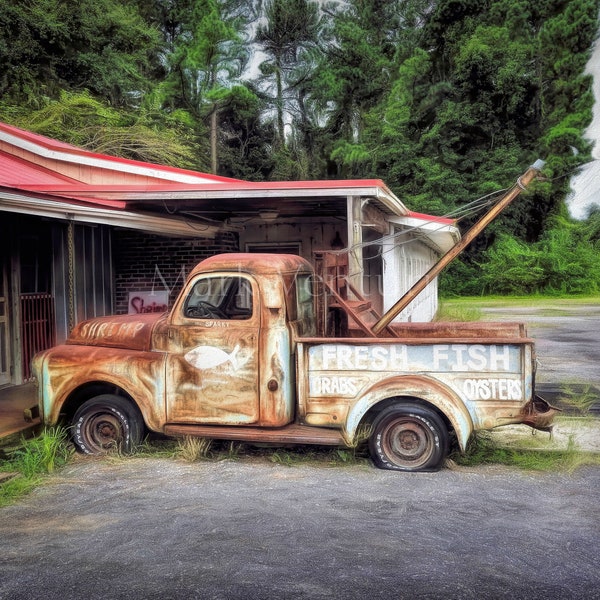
250,351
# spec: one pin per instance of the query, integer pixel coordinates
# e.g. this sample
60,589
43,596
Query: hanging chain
71,272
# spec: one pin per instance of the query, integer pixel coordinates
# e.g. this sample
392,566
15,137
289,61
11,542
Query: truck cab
230,340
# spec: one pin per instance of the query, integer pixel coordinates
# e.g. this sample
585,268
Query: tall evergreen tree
206,59
287,37
369,39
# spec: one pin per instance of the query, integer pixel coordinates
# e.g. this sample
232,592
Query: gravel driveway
160,529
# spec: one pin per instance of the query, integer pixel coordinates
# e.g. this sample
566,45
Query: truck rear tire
106,423
407,437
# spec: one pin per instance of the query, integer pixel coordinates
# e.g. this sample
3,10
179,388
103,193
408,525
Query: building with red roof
83,234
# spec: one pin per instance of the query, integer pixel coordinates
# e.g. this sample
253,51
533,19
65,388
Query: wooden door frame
5,376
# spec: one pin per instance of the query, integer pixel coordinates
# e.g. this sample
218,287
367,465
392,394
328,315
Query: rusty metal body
238,358
479,380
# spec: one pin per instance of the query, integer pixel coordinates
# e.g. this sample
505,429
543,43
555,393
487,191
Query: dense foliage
445,100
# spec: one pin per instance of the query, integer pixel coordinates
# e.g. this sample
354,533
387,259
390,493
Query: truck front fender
63,370
422,388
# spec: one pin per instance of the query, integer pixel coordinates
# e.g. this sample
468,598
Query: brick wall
145,262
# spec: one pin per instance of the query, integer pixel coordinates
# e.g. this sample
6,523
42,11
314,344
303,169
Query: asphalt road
567,339
162,529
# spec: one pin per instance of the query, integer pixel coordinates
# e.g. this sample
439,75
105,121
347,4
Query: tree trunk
214,165
280,124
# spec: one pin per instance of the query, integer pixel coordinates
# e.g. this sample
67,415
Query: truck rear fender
422,388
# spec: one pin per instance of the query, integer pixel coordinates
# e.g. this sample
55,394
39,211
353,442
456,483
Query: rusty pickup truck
239,358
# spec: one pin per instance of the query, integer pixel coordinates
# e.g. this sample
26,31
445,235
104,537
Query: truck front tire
106,423
408,437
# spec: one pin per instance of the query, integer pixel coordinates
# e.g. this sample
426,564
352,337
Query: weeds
233,450
192,448
282,457
35,458
315,455
483,449
580,397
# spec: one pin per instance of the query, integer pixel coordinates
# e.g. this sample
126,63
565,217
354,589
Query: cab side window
301,305
220,297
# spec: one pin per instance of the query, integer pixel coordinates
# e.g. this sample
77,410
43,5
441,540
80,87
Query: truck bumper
539,414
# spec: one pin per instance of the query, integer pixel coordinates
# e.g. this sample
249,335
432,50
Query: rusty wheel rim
408,442
104,432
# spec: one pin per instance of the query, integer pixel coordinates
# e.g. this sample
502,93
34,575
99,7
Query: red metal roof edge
95,203
218,182
33,167
76,200
56,145
36,138
233,185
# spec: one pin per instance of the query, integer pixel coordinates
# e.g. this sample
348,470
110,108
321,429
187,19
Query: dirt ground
163,529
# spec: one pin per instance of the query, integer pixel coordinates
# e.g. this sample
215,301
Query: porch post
355,239
390,284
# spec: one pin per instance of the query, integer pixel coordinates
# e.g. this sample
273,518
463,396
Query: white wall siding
403,265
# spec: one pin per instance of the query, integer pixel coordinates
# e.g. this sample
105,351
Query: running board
290,434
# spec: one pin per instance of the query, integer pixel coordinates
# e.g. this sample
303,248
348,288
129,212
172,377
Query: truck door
212,366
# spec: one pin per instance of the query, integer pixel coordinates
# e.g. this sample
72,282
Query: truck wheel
407,437
106,423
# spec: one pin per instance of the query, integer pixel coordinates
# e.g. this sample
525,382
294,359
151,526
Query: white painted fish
209,357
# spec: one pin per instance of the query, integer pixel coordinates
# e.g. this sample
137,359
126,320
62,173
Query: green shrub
35,458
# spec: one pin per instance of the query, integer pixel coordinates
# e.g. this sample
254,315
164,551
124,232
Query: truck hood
127,331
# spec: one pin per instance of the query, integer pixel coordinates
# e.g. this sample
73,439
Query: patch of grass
191,449
484,450
157,446
316,455
550,302
17,487
34,459
456,311
232,450
283,457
